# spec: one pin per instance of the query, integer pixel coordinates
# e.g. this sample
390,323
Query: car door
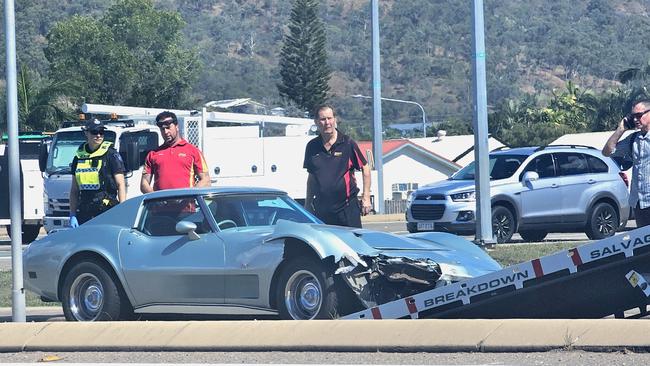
575,180
244,221
164,267
539,198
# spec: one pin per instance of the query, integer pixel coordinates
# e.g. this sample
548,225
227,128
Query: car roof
529,150
212,190
515,151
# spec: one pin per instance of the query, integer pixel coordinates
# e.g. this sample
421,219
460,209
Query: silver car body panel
231,271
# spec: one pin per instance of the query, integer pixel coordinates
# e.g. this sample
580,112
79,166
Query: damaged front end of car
383,278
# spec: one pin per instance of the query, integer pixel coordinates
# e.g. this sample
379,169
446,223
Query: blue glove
73,222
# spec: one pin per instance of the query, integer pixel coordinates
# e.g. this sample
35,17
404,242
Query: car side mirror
42,157
188,228
132,158
529,177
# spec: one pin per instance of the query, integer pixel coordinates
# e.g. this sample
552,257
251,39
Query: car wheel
90,293
603,221
306,291
503,224
533,235
30,233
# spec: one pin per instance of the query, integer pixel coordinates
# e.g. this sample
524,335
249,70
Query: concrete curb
435,335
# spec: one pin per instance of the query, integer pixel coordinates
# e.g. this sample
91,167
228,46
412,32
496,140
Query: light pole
424,115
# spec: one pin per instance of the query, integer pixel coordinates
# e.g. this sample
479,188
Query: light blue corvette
235,251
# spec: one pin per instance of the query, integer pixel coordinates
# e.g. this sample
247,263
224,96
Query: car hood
355,243
447,186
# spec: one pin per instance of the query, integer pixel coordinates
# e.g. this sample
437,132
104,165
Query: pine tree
303,59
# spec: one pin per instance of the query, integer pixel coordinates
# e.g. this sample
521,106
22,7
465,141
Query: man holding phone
636,147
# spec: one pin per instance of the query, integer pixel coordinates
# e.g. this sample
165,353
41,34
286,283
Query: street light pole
424,115
376,107
17,290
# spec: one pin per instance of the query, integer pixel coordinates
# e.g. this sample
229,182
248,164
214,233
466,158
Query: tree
41,108
303,60
641,74
132,55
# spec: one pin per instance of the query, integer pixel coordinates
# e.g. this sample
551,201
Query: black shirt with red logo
334,171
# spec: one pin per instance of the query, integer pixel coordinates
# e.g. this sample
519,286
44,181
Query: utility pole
376,108
17,290
481,151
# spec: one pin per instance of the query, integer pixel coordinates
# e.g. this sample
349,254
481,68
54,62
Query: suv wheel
503,224
533,235
602,222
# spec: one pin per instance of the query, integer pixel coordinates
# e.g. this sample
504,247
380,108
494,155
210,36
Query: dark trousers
89,208
642,216
350,215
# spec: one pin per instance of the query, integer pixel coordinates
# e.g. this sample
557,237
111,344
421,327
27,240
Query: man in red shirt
176,163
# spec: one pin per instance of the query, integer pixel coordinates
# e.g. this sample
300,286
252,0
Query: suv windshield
501,166
64,146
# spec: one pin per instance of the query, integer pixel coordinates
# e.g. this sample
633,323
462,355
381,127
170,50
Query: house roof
390,147
594,139
454,148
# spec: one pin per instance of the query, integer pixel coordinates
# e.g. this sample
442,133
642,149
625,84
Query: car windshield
231,211
501,166
63,149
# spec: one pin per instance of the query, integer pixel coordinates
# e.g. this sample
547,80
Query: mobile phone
628,122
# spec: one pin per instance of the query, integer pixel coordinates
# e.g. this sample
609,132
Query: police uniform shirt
113,161
334,171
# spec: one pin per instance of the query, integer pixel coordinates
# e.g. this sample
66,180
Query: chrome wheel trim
501,226
86,299
605,222
303,295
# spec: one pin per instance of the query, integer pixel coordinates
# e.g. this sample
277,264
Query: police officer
98,182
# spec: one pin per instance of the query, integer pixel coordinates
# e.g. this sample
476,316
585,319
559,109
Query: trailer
242,149
595,280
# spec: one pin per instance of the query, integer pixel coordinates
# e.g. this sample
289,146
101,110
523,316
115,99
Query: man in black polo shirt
331,160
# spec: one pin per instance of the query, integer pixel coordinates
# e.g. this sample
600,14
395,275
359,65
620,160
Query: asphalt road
341,358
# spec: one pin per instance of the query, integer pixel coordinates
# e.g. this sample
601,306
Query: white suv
534,190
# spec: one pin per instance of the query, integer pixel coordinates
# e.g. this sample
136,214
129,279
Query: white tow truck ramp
594,280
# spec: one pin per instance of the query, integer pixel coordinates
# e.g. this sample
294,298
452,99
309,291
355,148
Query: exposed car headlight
464,197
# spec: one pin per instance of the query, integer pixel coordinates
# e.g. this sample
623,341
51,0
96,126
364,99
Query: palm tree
641,74
42,108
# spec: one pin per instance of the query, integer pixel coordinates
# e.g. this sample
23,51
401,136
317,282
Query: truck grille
427,212
60,207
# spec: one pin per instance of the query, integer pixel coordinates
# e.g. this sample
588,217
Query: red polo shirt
174,166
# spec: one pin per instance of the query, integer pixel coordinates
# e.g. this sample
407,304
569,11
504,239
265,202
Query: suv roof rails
108,122
573,146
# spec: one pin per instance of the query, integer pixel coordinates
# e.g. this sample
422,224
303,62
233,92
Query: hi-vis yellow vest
88,167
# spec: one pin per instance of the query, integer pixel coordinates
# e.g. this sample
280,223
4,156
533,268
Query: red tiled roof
386,146
389,146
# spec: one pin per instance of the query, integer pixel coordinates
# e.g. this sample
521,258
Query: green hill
533,46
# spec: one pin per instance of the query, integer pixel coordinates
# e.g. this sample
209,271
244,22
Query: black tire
307,277
533,236
503,224
29,234
91,293
602,221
